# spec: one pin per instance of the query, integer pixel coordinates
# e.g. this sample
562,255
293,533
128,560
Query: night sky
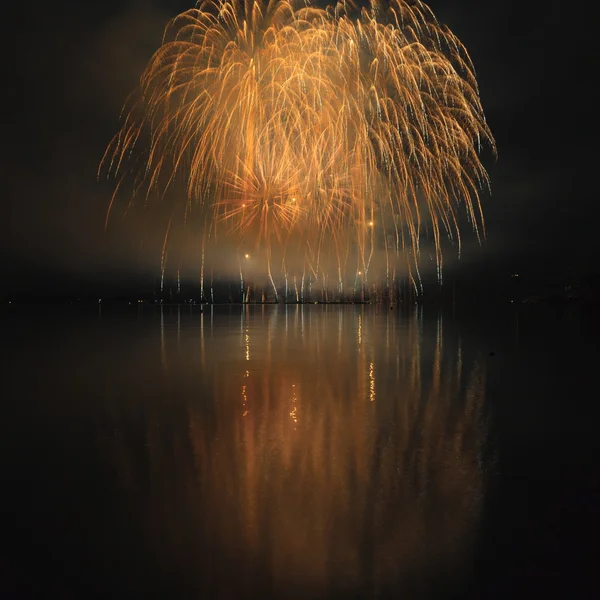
72,64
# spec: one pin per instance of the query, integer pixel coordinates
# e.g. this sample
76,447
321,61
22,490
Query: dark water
299,452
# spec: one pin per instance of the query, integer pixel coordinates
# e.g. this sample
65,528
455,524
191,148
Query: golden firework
331,140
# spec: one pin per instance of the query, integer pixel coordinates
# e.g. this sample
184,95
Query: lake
299,452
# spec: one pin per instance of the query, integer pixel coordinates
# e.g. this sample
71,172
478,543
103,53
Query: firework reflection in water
329,143
362,473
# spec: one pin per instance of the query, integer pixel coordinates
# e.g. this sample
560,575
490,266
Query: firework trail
330,142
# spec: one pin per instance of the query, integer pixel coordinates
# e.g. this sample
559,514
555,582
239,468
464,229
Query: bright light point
247,256
370,223
243,206
360,272
293,199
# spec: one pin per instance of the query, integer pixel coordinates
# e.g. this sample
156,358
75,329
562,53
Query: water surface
299,451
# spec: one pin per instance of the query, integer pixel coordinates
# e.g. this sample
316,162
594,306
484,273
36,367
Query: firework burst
339,136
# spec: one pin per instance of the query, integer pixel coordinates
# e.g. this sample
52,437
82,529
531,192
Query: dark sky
72,64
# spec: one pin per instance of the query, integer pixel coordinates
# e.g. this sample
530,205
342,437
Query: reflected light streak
294,413
372,382
353,494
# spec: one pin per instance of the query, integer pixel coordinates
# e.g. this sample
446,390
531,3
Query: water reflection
323,451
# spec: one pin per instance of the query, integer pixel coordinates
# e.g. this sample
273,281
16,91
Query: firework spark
329,141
